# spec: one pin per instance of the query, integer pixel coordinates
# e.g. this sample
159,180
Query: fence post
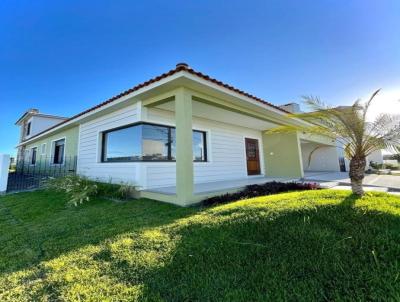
4,166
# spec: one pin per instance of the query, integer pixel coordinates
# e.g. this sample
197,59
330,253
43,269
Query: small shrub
378,166
121,191
126,191
107,189
268,188
391,167
375,165
81,189
78,188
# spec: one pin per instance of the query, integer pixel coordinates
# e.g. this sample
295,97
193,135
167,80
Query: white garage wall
323,159
376,157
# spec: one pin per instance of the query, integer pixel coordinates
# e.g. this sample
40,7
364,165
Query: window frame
53,148
41,149
105,132
204,134
28,128
31,156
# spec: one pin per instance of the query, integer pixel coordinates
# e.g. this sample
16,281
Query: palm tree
348,125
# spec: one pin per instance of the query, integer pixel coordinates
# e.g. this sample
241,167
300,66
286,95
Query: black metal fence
27,176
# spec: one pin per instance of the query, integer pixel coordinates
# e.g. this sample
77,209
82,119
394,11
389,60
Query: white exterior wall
325,158
89,148
225,151
4,165
39,124
376,157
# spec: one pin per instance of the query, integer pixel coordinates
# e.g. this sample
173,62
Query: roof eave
172,75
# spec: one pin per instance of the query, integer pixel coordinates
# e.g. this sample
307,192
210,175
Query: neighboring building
32,123
181,137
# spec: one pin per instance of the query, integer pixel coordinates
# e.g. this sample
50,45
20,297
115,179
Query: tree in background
349,126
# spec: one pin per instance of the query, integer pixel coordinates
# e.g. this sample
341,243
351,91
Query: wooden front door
253,156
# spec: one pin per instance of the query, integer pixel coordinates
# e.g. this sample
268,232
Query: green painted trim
71,136
236,109
184,148
192,200
282,155
160,102
160,197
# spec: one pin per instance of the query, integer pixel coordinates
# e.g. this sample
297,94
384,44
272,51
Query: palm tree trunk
357,173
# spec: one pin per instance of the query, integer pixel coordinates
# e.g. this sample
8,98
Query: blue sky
65,56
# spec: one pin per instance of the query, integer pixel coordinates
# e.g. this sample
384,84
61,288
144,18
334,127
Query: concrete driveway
373,180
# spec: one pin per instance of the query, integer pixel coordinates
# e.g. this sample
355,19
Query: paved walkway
340,180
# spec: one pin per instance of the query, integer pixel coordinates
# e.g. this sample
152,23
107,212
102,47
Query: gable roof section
179,67
29,114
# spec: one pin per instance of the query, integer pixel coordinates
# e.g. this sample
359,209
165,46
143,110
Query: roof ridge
220,83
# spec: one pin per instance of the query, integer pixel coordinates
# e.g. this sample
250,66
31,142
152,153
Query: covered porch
238,150
221,186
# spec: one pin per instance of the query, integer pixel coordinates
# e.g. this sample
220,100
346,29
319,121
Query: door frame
258,155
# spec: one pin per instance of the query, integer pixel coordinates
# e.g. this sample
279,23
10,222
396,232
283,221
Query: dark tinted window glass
58,157
199,146
156,142
149,143
33,158
173,144
122,144
28,128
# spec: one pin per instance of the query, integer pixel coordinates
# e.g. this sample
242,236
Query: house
31,123
180,137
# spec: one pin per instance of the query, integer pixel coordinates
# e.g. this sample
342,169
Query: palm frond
348,125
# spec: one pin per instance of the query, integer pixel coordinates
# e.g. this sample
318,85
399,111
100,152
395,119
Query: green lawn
315,245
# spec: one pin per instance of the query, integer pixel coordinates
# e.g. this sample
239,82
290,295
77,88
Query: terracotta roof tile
179,67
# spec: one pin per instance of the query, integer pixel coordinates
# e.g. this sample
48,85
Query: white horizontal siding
225,149
89,150
159,175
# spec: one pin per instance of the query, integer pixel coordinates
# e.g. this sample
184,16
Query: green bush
81,189
78,188
107,189
121,191
391,167
375,165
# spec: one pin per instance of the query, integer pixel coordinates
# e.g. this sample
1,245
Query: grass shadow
38,226
330,253
307,246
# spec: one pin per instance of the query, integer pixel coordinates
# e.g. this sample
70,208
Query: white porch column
184,148
4,165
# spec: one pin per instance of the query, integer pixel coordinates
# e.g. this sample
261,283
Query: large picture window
156,142
147,142
122,145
